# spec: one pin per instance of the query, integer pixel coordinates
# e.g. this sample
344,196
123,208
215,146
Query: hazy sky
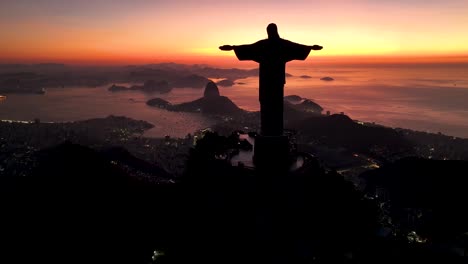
146,30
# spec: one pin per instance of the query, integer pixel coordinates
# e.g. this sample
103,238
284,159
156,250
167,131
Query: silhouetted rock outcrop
158,102
305,76
211,103
211,90
310,106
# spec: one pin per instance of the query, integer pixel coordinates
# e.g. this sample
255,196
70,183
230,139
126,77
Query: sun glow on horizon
105,31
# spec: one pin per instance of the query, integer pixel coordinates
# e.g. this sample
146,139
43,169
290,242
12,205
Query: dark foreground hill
341,131
426,196
82,206
79,206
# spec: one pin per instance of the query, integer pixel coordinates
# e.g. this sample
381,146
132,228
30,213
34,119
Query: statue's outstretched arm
226,47
316,47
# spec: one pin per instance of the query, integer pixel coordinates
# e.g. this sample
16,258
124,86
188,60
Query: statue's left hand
317,47
226,47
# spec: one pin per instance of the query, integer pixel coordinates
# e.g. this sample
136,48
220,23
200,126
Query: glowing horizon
138,31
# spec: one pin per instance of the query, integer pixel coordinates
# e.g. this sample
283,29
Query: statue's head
272,31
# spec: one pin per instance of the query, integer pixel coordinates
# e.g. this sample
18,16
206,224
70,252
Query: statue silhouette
272,54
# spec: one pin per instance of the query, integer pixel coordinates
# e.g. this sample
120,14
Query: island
226,83
212,103
327,79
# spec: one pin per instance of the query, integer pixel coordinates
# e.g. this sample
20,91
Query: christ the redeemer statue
272,54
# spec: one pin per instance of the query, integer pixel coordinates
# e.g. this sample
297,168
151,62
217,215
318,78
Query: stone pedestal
271,153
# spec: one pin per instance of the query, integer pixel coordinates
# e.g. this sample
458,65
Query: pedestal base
271,153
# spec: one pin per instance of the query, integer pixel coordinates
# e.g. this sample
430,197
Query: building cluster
19,140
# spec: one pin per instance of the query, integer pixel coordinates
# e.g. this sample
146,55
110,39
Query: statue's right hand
317,47
226,47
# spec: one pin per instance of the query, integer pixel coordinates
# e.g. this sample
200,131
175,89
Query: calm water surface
433,99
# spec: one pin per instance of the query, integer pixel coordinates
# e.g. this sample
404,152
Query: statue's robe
272,55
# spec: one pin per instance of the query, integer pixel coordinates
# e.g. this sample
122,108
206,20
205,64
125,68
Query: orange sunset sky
142,31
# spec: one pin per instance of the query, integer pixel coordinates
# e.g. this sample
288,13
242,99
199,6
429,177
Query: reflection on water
424,98
71,104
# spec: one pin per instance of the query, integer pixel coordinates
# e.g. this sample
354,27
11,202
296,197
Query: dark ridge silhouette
91,208
178,70
427,196
294,113
19,75
211,103
303,104
293,98
145,73
175,79
88,209
341,131
123,156
226,83
154,86
194,81
21,82
270,218
310,106
327,79
437,146
33,78
150,86
305,76
297,112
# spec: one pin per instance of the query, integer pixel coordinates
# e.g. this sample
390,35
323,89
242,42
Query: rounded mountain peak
211,90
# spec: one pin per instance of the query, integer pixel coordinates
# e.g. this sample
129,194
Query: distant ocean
432,98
